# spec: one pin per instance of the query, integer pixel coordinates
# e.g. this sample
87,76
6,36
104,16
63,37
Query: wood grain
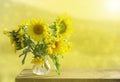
108,75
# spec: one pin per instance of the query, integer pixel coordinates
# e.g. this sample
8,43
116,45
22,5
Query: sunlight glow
113,6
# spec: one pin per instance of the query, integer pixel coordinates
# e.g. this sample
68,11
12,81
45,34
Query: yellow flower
58,47
64,26
13,42
37,60
19,37
37,29
6,32
16,38
48,38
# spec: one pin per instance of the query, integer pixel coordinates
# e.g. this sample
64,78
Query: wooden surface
71,76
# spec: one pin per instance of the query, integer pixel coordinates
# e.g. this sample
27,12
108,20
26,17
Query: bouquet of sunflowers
40,39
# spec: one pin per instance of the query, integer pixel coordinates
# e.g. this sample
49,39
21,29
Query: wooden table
108,75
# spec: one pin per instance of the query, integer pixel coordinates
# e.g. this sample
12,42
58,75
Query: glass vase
43,69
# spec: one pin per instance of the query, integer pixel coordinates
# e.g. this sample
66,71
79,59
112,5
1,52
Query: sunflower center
56,44
38,29
63,27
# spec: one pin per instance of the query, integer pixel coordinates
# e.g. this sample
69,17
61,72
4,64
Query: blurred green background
96,37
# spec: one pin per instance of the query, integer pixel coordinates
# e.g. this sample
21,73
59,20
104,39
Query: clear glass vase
41,69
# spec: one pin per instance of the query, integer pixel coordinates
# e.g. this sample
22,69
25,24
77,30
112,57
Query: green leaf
21,55
23,61
25,54
56,63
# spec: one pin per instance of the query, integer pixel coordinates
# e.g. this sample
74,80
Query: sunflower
6,32
58,47
64,26
37,60
37,29
16,38
48,38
